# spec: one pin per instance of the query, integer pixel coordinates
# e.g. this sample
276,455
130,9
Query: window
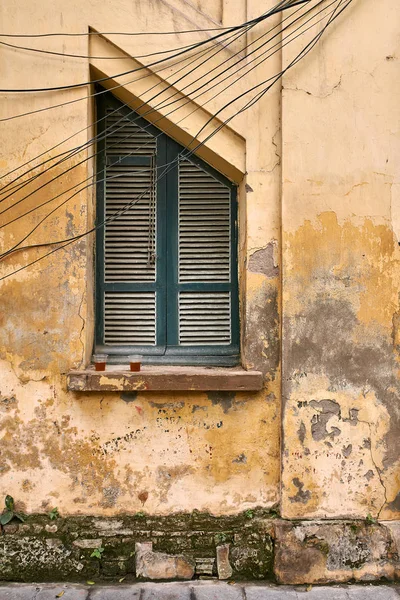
166,266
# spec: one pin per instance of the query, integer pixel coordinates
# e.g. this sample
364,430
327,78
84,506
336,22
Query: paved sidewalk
201,590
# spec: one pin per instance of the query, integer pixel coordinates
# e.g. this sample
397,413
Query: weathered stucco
317,165
341,274
121,453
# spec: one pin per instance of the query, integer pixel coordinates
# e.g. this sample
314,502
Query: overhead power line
116,76
186,152
16,246
104,134
7,188
128,33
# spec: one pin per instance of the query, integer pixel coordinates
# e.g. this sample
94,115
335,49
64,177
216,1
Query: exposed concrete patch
302,495
223,399
264,261
334,551
263,335
129,396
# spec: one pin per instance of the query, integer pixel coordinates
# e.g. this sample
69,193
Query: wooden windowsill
117,378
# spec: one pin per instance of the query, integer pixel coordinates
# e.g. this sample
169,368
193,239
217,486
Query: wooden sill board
163,378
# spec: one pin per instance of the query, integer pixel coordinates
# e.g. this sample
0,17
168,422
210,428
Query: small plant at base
8,511
249,514
97,552
370,519
53,514
220,538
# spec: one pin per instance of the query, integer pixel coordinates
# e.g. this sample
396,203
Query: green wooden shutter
166,267
202,289
204,249
132,287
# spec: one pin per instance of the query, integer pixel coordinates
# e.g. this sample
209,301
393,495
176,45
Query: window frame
166,285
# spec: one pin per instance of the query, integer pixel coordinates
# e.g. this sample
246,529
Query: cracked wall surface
341,275
115,453
317,165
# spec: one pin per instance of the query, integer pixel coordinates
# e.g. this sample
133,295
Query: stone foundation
252,546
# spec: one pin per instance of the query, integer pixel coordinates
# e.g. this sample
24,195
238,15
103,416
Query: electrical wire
73,135
130,121
90,57
279,75
256,98
198,44
132,33
87,143
173,83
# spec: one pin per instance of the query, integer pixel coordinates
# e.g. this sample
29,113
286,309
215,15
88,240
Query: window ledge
162,378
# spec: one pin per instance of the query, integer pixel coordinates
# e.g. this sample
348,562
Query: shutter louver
129,239
125,136
204,240
166,265
204,318
130,318
204,226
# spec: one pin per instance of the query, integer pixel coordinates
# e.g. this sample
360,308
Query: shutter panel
130,239
204,257
130,318
204,226
165,257
204,318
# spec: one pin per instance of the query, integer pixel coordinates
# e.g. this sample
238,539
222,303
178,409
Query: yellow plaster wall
318,165
112,453
341,271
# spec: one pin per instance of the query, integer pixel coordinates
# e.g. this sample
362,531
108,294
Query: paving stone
264,592
42,592
372,592
218,591
18,592
112,592
323,593
71,592
165,591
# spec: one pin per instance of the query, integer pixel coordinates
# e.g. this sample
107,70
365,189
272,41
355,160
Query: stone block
108,524
11,528
334,551
204,566
157,565
92,543
223,567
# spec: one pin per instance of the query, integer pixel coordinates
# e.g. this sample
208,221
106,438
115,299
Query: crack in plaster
276,149
323,96
356,185
378,471
23,379
82,328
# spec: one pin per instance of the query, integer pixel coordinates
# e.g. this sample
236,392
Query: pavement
201,590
